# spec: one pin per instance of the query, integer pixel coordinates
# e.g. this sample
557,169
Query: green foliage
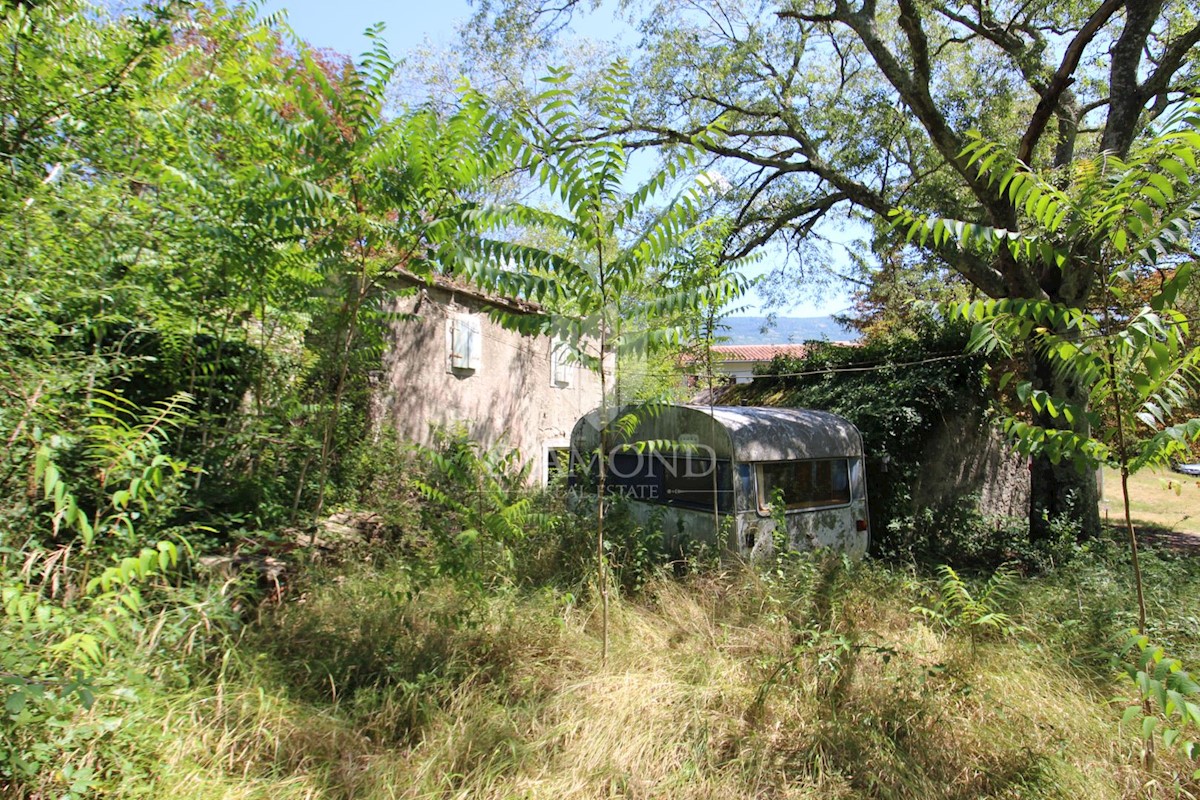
78,678
197,220
614,242
896,390
824,113
56,661
1131,352
389,196
383,636
780,546
1124,369
1167,708
126,472
458,511
979,613
638,552
74,590
955,530
441,687
200,205
596,289
477,511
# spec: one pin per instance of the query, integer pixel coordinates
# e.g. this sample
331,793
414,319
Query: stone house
737,362
450,363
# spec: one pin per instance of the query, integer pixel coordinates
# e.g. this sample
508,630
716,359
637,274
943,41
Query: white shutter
561,364
474,335
464,342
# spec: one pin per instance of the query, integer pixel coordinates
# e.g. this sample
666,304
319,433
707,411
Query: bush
955,533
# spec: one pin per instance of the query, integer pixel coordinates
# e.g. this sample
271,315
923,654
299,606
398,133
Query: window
805,484
562,364
678,479
464,343
634,475
688,481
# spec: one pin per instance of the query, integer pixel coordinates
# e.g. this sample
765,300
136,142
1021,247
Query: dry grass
1157,498
817,684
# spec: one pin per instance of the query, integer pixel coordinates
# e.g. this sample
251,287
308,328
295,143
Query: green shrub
87,599
956,533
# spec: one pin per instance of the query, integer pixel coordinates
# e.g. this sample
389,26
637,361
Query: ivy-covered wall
934,465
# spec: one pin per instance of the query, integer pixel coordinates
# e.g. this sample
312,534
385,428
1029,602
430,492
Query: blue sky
339,25
409,24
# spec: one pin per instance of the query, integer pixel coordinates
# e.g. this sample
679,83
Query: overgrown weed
810,679
518,704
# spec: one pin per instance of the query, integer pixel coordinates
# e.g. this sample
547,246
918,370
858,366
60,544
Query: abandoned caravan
707,474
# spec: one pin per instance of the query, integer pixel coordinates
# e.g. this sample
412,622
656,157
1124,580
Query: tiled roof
758,352
461,287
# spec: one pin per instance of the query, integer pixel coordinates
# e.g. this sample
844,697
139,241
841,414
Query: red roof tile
758,352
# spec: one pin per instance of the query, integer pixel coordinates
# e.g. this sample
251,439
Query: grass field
805,678
814,680
810,678
1159,498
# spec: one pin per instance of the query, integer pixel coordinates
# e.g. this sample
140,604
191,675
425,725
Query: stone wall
510,398
966,456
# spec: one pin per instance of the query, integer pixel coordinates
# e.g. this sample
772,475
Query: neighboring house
739,361
451,364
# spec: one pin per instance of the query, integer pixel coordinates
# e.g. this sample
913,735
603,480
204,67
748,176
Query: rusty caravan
719,474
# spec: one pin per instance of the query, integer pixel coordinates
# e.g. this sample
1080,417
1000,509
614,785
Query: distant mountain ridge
749,330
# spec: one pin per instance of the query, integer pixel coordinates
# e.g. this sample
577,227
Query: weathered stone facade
506,388
965,456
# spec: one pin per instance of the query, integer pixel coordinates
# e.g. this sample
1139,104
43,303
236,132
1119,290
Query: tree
840,111
595,287
194,202
706,267
1133,355
385,192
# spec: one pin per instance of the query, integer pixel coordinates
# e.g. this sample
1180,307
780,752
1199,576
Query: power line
866,368
826,371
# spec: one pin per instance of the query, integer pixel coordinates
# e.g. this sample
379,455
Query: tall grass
812,680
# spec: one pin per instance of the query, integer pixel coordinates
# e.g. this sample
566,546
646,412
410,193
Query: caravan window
678,479
805,484
688,481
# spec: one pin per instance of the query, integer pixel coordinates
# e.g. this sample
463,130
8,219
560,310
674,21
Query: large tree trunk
1060,492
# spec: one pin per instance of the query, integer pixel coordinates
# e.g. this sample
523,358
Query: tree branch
915,93
910,23
1026,56
808,214
1063,78
1126,100
1159,82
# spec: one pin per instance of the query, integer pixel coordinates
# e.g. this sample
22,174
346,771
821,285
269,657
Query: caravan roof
744,433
